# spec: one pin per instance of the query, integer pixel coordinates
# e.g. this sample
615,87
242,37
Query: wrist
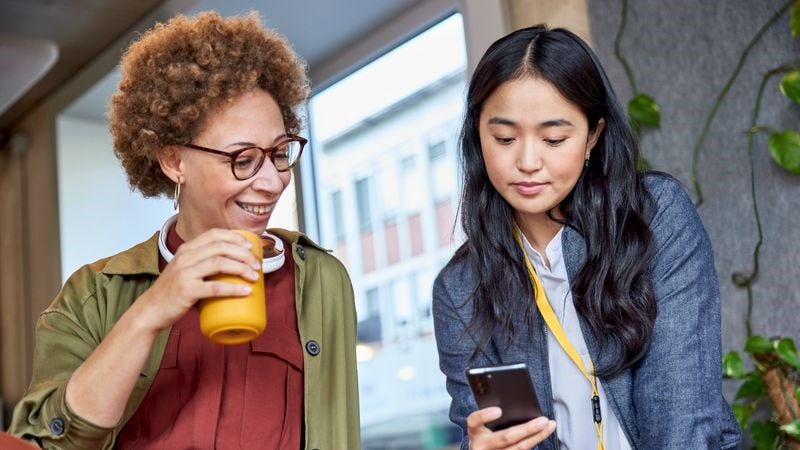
140,321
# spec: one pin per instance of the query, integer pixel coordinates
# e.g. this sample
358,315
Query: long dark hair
612,291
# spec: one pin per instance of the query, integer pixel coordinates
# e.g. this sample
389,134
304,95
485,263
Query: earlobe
169,158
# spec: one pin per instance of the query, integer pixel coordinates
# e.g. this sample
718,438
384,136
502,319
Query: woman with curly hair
597,276
206,113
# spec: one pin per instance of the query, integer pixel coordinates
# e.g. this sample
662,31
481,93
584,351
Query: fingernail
540,421
245,289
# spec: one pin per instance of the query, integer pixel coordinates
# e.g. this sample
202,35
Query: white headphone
268,265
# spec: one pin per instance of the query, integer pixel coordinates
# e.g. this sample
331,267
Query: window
369,326
338,216
362,198
387,164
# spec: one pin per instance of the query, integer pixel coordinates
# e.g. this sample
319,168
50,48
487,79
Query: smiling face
211,197
534,144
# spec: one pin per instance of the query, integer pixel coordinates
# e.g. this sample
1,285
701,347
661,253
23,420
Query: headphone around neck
270,264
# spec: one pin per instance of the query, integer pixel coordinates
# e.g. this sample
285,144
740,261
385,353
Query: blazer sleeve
677,386
450,318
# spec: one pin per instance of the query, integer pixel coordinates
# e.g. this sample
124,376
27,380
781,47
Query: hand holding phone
508,387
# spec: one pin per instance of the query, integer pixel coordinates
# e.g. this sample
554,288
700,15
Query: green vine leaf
764,435
795,18
742,413
753,386
644,110
642,164
784,146
790,85
792,428
732,365
797,394
787,351
758,344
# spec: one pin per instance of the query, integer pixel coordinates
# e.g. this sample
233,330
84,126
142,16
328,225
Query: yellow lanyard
552,322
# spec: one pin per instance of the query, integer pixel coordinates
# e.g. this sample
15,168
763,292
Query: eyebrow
546,124
251,144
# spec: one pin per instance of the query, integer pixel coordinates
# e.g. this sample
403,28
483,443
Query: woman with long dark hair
599,277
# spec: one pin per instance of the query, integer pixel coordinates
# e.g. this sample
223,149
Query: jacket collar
618,387
141,259
296,238
574,257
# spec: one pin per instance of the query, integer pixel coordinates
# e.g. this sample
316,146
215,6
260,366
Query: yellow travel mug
236,320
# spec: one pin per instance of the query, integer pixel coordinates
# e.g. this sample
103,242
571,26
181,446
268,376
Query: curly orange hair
180,70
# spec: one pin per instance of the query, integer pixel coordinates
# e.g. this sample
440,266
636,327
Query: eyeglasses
247,161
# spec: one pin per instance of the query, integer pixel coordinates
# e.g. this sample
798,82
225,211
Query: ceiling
75,32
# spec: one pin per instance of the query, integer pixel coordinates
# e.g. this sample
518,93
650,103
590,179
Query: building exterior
387,196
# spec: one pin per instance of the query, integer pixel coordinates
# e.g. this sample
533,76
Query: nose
269,180
529,158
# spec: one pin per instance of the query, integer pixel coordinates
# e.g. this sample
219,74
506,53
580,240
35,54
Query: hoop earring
176,195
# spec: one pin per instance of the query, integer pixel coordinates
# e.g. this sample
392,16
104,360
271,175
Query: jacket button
301,252
312,348
57,426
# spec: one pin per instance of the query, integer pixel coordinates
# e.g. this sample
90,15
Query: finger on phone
534,432
481,417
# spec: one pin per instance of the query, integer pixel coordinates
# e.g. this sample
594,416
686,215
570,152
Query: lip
528,188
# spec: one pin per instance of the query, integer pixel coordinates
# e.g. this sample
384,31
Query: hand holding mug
236,319
189,276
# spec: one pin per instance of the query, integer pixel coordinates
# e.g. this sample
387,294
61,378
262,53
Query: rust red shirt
208,395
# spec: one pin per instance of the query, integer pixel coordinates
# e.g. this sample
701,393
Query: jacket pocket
281,342
170,358
274,378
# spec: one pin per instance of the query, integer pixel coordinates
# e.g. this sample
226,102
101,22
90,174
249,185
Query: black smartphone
509,387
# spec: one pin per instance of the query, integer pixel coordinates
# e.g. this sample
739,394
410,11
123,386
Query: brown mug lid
268,246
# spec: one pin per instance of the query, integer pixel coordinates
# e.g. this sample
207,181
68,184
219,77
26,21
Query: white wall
98,214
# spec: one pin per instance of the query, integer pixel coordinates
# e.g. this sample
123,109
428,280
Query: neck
538,229
184,228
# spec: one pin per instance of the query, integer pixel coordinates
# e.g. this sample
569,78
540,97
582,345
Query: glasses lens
247,163
286,155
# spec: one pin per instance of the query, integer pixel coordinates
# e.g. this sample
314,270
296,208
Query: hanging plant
643,110
784,146
773,381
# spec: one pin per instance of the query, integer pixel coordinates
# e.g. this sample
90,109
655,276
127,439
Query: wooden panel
30,267
571,14
40,221
14,349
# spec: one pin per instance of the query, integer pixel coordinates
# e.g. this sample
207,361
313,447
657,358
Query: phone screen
510,388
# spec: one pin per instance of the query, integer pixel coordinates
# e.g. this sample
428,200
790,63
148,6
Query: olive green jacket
95,297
